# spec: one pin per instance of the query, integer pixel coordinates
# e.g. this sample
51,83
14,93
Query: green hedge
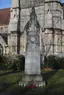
17,62
54,62
13,62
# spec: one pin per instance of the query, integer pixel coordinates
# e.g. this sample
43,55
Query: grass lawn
56,84
9,83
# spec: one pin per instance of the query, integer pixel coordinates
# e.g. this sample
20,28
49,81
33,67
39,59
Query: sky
7,3
62,0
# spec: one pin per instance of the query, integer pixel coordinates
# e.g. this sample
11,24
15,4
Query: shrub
19,62
53,62
12,62
62,63
2,63
14,67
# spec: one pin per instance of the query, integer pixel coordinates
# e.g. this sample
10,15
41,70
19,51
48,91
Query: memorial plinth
32,58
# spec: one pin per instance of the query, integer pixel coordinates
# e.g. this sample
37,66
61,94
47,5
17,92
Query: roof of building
4,16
